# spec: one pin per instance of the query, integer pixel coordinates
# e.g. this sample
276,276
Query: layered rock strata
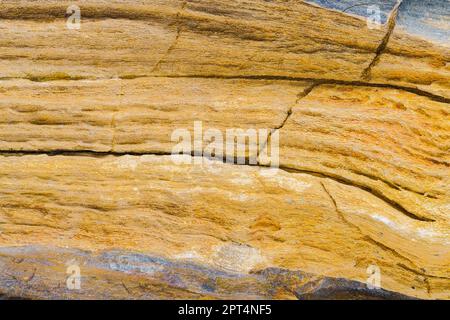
87,122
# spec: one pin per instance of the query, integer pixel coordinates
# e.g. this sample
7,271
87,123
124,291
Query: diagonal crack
126,288
369,239
366,75
175,41
103,154
300,96
342,180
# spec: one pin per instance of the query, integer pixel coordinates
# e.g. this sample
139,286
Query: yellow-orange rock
238,219
86,177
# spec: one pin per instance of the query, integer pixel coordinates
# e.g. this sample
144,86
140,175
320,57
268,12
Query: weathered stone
202,37
37,272
137,115
388,141
233,218
418,52
87,119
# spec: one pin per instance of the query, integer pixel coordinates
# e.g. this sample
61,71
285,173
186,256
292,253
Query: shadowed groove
366,75
102,154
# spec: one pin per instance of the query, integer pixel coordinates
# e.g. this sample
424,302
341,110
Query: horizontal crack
90,153
320,81
57,12
317,81
342,180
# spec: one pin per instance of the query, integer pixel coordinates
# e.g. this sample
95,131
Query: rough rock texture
135,115
122,275
236,218
201,37
391,142
86,123
418,52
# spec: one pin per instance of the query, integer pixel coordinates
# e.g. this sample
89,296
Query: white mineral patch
188,255
286,182
237,258
388,222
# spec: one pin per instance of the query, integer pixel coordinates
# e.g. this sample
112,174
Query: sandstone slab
238,219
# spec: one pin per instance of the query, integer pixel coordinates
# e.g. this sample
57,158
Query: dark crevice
366,75
376,193
422,272
300,96
126,288
391,184
102,154
87,153
317,81
369,239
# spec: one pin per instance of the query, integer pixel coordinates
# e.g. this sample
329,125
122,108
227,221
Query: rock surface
235,218
86,178
418,52
135,115
124,275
